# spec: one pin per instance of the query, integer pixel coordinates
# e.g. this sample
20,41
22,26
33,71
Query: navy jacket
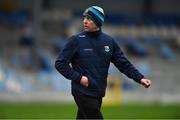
90,54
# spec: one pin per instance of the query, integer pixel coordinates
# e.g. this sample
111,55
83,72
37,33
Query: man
90,53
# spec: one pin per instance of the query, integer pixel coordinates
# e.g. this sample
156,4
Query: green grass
68,111
142,112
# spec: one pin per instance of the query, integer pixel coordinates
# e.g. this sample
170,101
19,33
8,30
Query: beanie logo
86,10
106,48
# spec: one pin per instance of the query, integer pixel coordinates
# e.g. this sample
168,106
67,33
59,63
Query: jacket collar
93,34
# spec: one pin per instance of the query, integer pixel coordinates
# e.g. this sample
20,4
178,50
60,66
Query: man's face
89,24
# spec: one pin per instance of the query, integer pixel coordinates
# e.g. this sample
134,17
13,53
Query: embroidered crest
106,48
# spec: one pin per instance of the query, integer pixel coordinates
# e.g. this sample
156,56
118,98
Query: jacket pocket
92,83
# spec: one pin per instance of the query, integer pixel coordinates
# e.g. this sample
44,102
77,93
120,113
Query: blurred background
33,32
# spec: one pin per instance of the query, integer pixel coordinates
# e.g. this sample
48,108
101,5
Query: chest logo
82,36
106,48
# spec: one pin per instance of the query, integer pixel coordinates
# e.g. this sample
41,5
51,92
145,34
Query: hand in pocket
84,81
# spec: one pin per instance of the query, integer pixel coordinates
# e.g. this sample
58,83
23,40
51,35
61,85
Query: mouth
85,26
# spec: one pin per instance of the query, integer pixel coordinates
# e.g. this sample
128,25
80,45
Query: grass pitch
68,111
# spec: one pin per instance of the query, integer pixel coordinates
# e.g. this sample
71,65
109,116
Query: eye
87,17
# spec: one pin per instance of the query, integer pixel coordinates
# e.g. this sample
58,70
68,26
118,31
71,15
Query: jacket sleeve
124,65
64,59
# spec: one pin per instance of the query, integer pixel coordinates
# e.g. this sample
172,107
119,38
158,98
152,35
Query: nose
85,20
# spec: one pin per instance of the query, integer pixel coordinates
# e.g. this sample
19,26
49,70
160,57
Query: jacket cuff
138,78
78,79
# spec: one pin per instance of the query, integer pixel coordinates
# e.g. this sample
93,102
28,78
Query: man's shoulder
79,34
76,35
106,35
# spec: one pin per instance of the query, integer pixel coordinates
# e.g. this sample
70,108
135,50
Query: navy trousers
88,107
